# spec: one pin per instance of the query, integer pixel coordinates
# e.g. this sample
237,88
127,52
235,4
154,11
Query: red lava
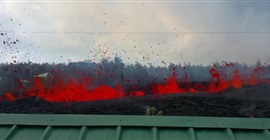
8,96
71,91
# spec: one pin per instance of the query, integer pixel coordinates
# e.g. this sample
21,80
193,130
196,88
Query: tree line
112,72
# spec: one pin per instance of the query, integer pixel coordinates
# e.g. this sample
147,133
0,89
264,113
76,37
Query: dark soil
249,101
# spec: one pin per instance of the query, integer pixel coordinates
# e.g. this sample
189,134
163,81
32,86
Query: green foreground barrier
121,127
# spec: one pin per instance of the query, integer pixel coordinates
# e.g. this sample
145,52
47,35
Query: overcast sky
176,32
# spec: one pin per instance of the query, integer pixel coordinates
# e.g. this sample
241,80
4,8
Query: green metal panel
113,127
65,133
26,133
136,133
207,134
173,133
3,130
250,135
101,133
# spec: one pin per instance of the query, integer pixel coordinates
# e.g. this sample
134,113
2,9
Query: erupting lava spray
72,91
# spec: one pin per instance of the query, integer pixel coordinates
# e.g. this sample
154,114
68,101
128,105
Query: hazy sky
177,32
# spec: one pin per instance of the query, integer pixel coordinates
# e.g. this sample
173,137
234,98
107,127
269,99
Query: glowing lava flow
217,83
71,91
74,92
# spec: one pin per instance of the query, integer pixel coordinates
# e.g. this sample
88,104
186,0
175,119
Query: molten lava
72,91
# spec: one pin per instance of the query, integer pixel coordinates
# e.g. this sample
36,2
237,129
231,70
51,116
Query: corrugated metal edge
10,132
124,120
